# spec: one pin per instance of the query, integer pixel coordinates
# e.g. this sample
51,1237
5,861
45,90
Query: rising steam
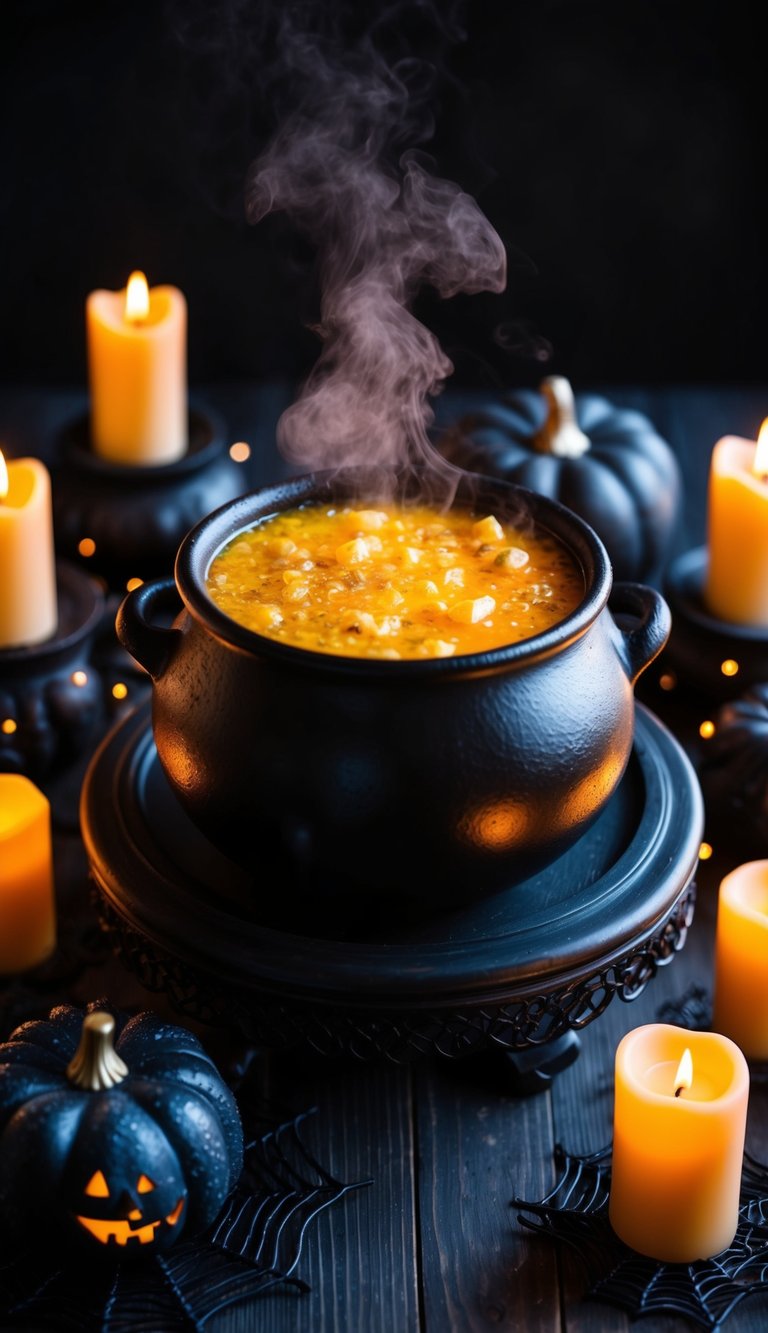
383,226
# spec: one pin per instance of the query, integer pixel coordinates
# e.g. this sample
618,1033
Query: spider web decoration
705,1292
254,1244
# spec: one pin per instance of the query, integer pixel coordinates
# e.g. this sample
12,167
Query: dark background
618,149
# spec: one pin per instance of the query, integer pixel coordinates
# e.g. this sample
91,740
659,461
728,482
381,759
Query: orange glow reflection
498,826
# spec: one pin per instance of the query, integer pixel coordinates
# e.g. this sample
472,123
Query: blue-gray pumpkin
121,1133
607,464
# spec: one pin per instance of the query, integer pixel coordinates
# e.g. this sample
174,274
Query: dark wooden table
432,1243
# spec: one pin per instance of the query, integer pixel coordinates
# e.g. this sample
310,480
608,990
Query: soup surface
394,582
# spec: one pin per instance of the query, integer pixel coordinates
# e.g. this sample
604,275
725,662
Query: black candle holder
125,521
51,695
705,1292
714,657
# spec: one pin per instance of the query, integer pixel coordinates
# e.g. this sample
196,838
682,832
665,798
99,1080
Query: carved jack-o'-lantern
134,1140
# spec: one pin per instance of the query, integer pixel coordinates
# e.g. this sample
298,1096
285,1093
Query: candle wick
679,1090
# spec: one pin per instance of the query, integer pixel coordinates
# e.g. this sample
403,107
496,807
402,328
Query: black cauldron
435,781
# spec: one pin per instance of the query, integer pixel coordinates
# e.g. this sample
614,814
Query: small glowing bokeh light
668,681
119,690
79,678
87,547
240,452
707,730
132,584
8,726
729,667
705,851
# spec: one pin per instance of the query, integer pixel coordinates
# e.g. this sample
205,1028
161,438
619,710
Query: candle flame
760,460
684,1075
136,298
3,477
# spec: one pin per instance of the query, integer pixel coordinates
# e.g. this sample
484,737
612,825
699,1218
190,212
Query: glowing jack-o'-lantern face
135,1219
119,1133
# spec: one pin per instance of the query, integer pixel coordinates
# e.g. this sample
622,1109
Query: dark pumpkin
607,464
125,1144
733,773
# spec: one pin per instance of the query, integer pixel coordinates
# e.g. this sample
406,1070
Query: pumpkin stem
96,1066
561,434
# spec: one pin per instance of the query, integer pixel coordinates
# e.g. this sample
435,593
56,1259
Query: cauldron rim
203,542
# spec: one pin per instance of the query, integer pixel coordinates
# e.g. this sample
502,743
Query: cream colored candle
737,576
741,959
28,602
137,368
27,911
677,1149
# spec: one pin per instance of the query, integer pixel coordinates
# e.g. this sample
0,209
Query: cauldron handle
150,644
644,621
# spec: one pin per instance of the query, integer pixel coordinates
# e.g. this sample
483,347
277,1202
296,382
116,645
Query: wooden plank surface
432,1246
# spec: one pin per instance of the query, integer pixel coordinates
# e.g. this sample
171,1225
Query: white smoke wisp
383,227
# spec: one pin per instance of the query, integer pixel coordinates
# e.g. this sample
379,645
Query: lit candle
737,577
137,368
27,912
678,1142
28,603
741,959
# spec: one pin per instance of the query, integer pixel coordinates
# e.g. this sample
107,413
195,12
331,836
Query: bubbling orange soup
394,582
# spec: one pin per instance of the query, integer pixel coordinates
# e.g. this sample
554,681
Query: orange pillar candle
737,577
28,602
678,1142
137,369
741,959
27,911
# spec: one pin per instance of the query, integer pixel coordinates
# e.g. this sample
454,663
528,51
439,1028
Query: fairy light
8,726
119,690
87,547
705,851
729,667
79,678
707,730
668,681
240,452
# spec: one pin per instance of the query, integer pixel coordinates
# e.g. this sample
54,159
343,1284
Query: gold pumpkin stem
561,434
96,1066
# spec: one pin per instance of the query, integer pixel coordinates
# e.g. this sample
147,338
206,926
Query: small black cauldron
436,781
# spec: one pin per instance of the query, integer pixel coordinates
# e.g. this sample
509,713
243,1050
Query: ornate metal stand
512,973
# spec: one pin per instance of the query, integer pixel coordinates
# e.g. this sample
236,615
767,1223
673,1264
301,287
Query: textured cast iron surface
705,1292
461,772
514,970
